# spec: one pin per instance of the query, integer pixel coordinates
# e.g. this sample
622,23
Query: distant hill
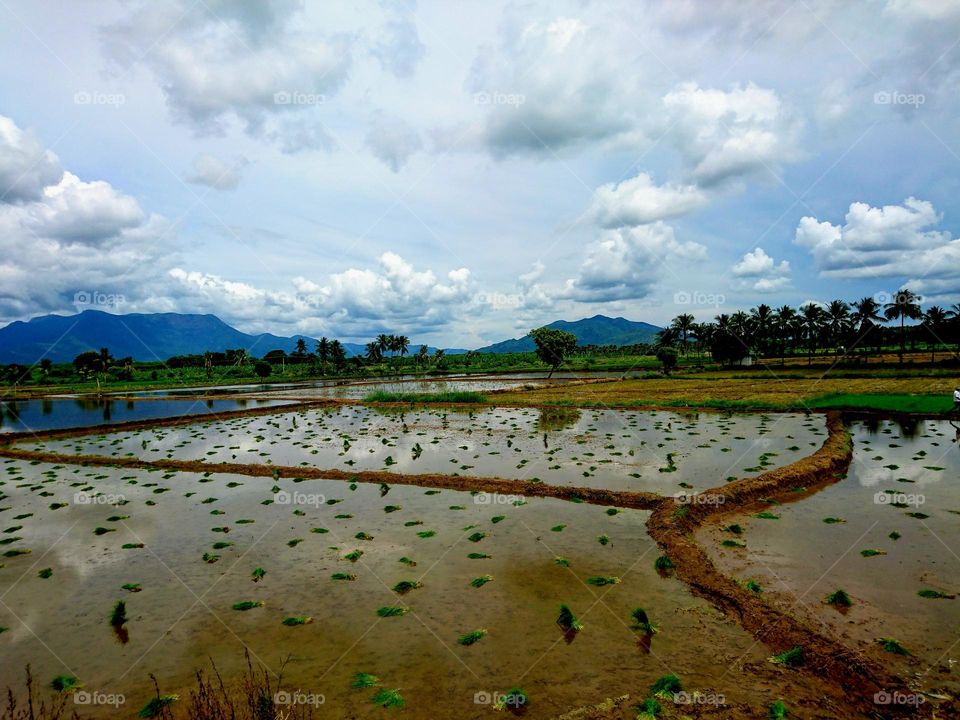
143,336
597,330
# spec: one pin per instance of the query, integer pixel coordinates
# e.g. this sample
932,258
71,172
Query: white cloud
215,173
629,263
725,134
639,201
222,62
761,273
26,167
392,140
399,50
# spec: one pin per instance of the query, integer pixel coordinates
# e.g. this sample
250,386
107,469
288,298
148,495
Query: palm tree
761,318
953,315
374,355
438,357
866,315
338,355
813,318
384,342
401,343
904,306
784,319
934,320
838,323
323,353
683,325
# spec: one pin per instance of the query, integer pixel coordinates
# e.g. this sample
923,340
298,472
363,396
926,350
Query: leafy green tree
374,354
553,346
683,325
323,354
668,358
262,368
338,355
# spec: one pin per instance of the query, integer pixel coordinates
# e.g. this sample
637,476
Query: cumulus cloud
215,173
26,166
353,302
725,134
761,273
548,85
628,263
639,201
392,140
222,62
888,241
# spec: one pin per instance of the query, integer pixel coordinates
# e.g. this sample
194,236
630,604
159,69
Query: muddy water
58,413
358,391
664,452
183,616
800,559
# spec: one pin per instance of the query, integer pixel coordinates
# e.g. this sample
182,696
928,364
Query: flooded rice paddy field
888,535
360,390
87,411
181,549
663,452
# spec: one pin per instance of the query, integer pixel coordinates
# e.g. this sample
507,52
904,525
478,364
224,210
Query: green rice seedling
735,529
131,587
934,595
412,523
612,511
405,586
364,680
131,546
221,545
666,687
258,574
515,699
103,530
319,530
388,699
833,520
562,562
343,576
481,581
892,646
363,536
209,558
894,535
247,605
733,544
641,622
838,598
10,540
478,556
220,529
119,614
426,533
343,517
471,637
64,683
663,564
3,629
872,552
557,528
601,580
649,709
568,621
295,620
791,658
498,518
391,508
245,521
353,556
294,542
779,711
477,537
392,611
767,516
753,586
45,573
603,539
917,515
408,562
157,706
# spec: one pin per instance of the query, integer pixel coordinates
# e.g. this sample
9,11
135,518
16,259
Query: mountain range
158,336
596,330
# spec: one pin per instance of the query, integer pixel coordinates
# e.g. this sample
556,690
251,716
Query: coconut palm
866,314
384,342
813,320
374,354
838,323
784,319
953,315
683,325
905,305
761,320
935,320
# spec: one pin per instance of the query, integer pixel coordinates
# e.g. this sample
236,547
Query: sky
461,172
